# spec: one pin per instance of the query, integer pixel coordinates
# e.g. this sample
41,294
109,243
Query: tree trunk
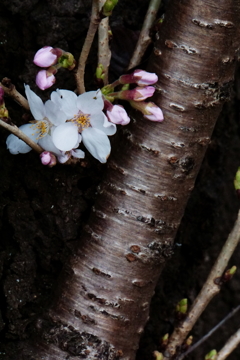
103,297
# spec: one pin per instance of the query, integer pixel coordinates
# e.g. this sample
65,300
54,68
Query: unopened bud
150,110
100,73
118,115
158,355
182,306
108,7
45,57
47,158
45,79
137,94
227,276
164,340
3,111
237,182
187,343
139,77
67,61
212,355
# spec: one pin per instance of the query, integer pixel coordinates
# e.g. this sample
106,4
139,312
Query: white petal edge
36,105
97,143
100,122
18,146
90,102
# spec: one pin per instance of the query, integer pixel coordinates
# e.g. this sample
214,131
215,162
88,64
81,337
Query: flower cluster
52,59
67,120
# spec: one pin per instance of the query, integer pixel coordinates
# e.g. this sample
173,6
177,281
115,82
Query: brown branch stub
10,90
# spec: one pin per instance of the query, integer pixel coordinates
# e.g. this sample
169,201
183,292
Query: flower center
41,127
82,121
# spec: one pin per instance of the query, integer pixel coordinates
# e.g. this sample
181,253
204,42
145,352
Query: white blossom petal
99,121
36,105
78,153
17,146
97,143
90,102
64,157
54,114
47,144
68,102
65,136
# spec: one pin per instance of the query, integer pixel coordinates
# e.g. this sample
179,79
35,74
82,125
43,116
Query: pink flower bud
137,94
45,57
139,77
153,112
44,80
118,115
47,158
150,110
145,78
143,93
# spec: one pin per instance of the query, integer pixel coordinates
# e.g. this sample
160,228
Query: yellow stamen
41,127
82,121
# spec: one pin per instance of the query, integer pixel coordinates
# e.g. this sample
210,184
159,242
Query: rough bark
105,290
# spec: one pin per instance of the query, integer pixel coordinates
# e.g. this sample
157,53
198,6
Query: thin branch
94,22
230,345
11,91
144,38
209,290
16,131
104,53
212,331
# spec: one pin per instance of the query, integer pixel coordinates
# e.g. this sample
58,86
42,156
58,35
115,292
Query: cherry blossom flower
84,116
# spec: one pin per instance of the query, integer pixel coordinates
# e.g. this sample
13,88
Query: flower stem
16,131
104,53
144,38
94,22
10,90
210,289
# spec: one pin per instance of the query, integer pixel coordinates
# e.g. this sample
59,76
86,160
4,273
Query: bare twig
144,38
230,345
210,289
16,131
11,91
94,22
212,331
104,53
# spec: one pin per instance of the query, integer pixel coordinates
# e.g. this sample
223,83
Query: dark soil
43,210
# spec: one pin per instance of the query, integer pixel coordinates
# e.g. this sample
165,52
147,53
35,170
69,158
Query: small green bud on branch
212,355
